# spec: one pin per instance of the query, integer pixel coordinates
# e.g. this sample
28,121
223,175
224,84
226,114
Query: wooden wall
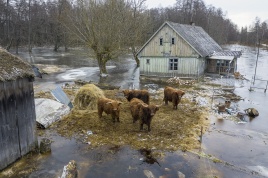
159,66
17,120
213,68
180,48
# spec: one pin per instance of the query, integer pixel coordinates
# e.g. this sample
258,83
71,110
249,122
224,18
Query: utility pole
257,60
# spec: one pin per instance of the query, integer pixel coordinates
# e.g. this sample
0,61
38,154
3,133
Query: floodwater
245,145
242,147
79,65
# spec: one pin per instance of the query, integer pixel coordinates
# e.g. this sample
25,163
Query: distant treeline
47,22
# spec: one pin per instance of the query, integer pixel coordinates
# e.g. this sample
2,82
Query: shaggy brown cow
173,95
143,112
109,106
140,94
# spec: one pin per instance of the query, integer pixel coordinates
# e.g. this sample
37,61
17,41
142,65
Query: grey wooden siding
187,67
180,48
17,120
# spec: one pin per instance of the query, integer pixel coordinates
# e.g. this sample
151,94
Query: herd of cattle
140,107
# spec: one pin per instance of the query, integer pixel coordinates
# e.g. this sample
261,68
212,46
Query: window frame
161,41
173,64
173,41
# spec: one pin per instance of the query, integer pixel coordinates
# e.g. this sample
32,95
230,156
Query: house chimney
192,23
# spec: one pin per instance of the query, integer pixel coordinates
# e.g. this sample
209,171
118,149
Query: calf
140,94
173,95
142,112
109,106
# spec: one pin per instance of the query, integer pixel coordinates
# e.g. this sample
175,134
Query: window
173,41
173,64
147,61
161,41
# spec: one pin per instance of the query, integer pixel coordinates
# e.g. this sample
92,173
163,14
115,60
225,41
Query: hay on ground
171,129
87,97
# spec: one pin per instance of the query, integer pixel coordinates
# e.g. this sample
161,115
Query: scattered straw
171,129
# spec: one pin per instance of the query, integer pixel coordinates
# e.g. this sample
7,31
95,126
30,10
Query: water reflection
148,157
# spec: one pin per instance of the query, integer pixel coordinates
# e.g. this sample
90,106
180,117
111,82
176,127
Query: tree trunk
102,64
9,44
29,28
17,45
137,60
134,53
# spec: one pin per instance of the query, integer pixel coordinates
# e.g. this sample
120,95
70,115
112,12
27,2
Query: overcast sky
241,12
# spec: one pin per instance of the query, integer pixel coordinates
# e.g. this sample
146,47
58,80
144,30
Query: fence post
266,87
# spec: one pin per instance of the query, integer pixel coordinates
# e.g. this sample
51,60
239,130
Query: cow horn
144,105
109,102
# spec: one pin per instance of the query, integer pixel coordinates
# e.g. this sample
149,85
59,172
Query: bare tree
99,27
136,25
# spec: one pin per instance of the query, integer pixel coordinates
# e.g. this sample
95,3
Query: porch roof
228,58
225,55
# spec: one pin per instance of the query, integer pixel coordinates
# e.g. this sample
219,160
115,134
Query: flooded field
244,144
229,149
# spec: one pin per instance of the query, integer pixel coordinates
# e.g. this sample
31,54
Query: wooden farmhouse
17,109
184,51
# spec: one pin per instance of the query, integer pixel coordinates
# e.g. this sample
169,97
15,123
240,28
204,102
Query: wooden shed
178,50
223,62
17,109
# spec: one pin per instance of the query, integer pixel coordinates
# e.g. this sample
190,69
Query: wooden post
201,136
212,97
266,87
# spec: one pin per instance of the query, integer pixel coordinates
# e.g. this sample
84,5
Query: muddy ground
171,130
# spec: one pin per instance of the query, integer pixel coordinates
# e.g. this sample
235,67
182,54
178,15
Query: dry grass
171,129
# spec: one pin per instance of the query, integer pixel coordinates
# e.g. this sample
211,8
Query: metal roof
196,37
228,58
227,53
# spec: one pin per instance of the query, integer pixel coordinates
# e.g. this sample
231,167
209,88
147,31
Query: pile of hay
87,97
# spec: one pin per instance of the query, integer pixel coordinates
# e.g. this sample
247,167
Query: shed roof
227,53
195,36
12,67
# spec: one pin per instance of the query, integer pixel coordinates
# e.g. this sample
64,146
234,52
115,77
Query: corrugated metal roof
227,53
196,37
60,96
228,58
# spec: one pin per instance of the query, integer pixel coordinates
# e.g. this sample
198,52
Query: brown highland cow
109,106
140,94
142,112
173,95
